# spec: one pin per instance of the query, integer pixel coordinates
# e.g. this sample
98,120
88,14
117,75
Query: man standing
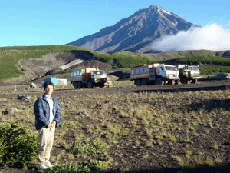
47,118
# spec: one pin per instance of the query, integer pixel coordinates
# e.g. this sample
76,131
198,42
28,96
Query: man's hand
53,124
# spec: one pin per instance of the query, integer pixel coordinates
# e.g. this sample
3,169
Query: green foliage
80,167
122,60
81,148
214,70
18,145
86,147
67,71
47,48
203,60
221,63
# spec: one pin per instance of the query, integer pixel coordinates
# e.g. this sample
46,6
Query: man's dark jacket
42,112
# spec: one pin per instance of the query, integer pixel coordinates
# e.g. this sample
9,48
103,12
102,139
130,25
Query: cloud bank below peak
211,37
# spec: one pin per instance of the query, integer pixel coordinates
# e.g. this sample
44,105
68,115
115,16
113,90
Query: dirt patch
94,64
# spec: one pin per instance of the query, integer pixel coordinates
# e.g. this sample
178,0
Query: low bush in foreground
18,145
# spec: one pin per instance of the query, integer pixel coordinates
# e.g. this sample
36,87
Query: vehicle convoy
89,77
189,73
158,74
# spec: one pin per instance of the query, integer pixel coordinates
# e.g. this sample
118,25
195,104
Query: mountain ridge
135,32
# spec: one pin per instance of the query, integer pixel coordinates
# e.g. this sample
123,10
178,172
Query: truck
89,78
189,73
158,74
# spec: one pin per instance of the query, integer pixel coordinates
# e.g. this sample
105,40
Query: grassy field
151,131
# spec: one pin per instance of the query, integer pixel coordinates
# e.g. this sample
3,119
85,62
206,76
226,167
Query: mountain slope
135,32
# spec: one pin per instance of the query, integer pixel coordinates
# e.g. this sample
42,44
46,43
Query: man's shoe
42,167
48,164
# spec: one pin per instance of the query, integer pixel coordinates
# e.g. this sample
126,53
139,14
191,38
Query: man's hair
48,83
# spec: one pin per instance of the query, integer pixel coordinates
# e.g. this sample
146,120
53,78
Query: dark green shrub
18,145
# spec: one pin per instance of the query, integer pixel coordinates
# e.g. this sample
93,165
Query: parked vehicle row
160,74
156,74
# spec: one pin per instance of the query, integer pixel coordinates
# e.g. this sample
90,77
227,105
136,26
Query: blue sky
58,22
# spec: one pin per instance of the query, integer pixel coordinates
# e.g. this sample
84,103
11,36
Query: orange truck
89,77
158,74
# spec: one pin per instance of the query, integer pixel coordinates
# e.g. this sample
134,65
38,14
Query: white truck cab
168,73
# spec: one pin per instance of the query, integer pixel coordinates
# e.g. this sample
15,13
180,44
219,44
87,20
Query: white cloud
211,37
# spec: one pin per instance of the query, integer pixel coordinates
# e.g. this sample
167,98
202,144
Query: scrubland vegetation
136,131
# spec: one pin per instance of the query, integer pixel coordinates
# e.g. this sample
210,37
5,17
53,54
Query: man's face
49,89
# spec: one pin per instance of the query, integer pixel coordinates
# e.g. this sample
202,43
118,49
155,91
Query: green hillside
10,56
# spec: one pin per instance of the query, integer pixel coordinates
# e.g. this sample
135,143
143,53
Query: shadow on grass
121,75
202,169
210,105
180,89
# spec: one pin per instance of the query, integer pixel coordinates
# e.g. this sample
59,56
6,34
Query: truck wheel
79,85
75,85
101,85
143,82
187,81
90,84
194,81
159,81
173,82
138,82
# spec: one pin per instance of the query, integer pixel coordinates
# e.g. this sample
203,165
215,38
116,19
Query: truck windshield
170,68
195,68
98,72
